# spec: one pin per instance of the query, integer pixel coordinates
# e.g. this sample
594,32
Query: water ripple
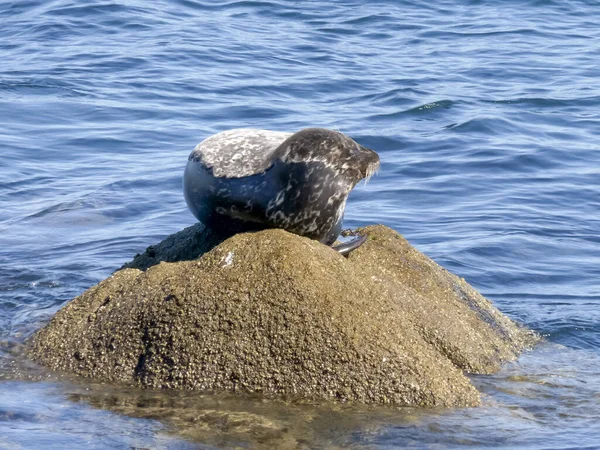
485,116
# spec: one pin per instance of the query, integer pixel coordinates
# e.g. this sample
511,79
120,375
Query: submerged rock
279,314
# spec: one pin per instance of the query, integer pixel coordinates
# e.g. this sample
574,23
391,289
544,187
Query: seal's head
348,160
315,171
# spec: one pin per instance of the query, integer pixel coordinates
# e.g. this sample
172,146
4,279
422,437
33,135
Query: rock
187,244
281,315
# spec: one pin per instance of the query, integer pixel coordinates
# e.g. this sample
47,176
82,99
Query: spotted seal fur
246,179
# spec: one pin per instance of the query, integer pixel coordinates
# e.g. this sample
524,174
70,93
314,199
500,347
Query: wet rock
281,315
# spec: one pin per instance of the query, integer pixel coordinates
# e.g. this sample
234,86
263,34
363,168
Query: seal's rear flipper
350,246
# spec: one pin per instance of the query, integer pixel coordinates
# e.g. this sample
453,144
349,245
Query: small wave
64,207
583,336
39,87
31,285
547,102
490,126
442,104
450,34
370,19
88,10
424,109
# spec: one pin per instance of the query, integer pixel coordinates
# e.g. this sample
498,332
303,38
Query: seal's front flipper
350,246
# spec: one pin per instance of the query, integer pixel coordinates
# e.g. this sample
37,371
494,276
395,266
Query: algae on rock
274,313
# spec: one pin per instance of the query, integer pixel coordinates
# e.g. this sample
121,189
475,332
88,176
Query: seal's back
237,153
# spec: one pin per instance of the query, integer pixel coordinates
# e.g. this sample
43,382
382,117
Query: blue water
486,116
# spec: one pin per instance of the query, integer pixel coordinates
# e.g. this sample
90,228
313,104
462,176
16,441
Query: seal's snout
369,162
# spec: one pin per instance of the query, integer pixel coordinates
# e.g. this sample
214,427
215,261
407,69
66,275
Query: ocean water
486,116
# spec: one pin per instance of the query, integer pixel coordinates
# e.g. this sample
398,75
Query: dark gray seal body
247,179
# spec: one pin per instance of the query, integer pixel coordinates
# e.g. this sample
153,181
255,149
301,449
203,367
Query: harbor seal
247,179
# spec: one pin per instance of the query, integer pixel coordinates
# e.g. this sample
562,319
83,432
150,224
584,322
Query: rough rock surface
275,313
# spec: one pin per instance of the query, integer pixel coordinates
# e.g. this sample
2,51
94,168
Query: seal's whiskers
372,169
